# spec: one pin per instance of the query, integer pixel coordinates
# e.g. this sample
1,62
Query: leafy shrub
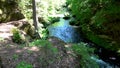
95,12
16,35
24,64
26,8
83,54
44,34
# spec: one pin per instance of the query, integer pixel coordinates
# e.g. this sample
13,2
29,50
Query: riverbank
14,55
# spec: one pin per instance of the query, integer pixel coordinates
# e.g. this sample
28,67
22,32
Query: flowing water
64,31
70,34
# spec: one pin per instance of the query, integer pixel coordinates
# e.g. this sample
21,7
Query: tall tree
35,19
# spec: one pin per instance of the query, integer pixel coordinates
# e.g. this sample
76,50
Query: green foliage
83,54
53,19
46,11
98,17
102,42
81,8
16,35
45,8
26,8
44,34
24,64
94,11
107,14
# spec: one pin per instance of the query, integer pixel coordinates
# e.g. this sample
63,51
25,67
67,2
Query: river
70,34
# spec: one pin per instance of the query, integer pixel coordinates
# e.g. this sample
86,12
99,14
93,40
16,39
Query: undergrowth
16,35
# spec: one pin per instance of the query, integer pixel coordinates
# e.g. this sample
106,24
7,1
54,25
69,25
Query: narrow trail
5,30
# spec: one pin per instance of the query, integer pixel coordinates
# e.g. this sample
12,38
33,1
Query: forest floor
13,54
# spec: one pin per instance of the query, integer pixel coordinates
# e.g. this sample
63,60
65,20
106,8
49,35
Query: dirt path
5,30
12,54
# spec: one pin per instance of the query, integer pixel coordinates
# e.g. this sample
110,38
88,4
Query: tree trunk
35,20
